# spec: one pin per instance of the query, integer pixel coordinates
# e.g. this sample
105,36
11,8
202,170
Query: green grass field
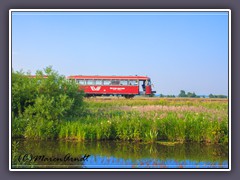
150,119
138,119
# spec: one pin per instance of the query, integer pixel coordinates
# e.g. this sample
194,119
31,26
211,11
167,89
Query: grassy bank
139,119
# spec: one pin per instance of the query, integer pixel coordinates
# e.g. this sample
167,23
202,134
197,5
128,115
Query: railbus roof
108,77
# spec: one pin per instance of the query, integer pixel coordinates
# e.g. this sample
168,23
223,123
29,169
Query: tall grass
137,127
208,122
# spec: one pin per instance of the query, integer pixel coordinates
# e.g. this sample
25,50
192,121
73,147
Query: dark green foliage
40,102
193,95
182,94
189,94
217,96
23,92
168,96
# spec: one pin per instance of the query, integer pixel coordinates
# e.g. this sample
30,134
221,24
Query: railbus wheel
128,96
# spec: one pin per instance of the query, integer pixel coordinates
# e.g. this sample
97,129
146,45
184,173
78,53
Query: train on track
126,86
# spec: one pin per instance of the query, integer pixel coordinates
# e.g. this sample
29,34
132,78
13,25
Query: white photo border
120,10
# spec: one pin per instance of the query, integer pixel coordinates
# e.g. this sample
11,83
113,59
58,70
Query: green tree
44,100
182,94
192,95
189,94
23,92
211,96
217,96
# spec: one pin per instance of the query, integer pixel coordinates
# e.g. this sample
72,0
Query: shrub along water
41,102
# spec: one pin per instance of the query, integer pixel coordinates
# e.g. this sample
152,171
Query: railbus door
146,87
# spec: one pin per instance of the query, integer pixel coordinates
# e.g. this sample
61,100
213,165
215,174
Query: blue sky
177,50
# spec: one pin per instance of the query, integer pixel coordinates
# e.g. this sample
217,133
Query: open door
145,87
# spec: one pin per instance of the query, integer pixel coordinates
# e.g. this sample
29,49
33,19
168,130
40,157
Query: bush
43,101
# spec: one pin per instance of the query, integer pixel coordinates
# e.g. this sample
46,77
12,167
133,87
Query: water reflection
112,162
108,154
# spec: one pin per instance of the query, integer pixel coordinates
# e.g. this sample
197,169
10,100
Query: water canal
113,154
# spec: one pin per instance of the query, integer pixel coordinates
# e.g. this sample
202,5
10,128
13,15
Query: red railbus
127,86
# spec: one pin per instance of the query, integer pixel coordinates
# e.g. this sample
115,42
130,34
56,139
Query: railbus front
127,86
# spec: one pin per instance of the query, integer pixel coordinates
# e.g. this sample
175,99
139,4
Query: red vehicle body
127,86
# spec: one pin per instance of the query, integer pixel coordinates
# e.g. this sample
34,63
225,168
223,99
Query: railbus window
115,82
133,82
98,82
124,82
81,81
106,82
90,82
148,82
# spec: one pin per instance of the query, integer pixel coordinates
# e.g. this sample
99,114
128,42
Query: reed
147,120
149,127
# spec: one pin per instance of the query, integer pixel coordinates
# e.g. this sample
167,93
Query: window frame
77,81
123,80
90,80
109,80
129,81
115,80
95,82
